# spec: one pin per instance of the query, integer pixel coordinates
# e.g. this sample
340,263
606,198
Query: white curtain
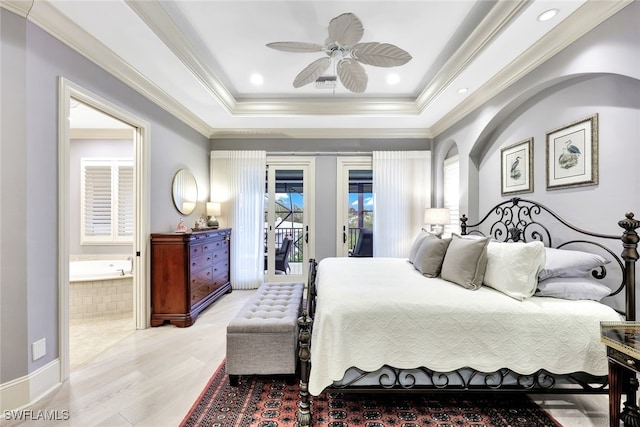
238,182
401,191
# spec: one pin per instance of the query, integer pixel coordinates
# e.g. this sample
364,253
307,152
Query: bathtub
99,269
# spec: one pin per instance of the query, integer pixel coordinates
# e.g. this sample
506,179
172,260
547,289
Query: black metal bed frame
515,220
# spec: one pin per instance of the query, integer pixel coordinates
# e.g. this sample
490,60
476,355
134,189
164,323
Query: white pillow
568,263
512,268
573,288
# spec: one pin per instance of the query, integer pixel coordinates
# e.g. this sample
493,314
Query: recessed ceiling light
547,14
257,79
393,79
463,90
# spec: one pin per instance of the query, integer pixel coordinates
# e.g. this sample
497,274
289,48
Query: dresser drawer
623,359
200,262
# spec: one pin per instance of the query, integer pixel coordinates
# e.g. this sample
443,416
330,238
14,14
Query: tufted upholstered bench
262,339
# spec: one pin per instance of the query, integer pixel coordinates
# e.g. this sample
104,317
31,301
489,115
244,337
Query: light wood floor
153,376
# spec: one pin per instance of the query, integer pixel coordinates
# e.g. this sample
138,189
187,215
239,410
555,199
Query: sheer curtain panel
238,182
401,191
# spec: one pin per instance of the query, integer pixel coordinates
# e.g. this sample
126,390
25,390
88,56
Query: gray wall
326,173
32,62
600,73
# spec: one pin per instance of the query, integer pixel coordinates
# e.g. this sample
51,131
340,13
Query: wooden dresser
189,271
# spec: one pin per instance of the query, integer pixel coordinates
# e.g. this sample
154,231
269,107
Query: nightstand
623,353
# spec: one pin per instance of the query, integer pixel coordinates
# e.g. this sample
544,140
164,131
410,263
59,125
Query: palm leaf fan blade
296,46
346,29
311,72
352,76
380,54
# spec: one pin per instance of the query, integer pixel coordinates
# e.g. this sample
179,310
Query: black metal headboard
521,220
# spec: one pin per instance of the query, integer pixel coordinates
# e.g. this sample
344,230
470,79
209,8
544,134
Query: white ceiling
195,58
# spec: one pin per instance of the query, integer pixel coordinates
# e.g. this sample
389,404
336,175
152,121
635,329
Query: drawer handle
631,362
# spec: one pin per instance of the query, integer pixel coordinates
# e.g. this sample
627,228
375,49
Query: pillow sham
512,268
573,288
568,263
465,262
430,255
416,244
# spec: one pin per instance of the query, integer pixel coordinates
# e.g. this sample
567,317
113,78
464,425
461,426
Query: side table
622,340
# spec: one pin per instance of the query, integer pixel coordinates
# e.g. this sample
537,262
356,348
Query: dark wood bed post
304,352
630,414
630,256
304,348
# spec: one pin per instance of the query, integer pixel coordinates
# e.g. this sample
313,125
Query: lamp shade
437,216
213,208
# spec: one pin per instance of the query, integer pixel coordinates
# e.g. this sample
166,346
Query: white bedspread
377,311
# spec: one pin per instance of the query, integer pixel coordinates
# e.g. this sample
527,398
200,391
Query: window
107,201
452,193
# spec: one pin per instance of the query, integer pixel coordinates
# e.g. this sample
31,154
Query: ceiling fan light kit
346,54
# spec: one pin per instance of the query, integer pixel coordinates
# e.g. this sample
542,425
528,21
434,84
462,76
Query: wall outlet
39,349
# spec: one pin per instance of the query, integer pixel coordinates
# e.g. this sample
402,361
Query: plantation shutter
451,197
97,201
125,202
107,203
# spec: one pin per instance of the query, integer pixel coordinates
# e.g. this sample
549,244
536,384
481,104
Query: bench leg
234,380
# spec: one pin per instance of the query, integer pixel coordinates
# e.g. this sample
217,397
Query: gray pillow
465,262
416,245
430,255
573,288
569,263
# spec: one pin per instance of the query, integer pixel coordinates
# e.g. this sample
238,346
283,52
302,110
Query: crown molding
586,18
499,17
47,17
19,7
323,133
157,19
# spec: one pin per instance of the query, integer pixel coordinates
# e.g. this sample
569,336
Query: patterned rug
262,402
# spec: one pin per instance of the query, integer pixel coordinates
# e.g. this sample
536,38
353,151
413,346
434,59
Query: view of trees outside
360,215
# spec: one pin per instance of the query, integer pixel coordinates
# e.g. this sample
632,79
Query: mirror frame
184,189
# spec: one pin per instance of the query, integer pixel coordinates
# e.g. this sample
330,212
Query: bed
501,307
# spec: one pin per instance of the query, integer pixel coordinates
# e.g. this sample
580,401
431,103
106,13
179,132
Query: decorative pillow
512,268
465,262
573,288
416,245
430,255
568,263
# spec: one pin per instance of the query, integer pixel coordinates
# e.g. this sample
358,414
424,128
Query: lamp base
212,223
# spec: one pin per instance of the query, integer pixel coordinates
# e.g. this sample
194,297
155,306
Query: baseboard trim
21,392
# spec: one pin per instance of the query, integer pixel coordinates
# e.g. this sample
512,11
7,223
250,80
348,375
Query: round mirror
184,191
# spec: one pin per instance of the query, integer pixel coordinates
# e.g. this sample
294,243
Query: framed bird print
572,154
516,168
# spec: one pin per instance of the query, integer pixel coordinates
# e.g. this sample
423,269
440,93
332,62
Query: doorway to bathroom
101,209
103,225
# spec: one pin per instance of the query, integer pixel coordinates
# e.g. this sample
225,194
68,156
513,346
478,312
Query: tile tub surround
100,298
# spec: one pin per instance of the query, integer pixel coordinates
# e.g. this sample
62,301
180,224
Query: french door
354,204
289,224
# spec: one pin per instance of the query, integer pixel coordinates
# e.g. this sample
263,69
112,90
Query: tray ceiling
196,59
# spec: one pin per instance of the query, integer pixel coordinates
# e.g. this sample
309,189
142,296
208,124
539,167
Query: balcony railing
296,234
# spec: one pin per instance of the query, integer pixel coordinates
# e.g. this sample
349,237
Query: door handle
344,234
306,234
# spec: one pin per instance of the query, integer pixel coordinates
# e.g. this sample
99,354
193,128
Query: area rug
264,402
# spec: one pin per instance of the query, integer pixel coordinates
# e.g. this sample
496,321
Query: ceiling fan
346,53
